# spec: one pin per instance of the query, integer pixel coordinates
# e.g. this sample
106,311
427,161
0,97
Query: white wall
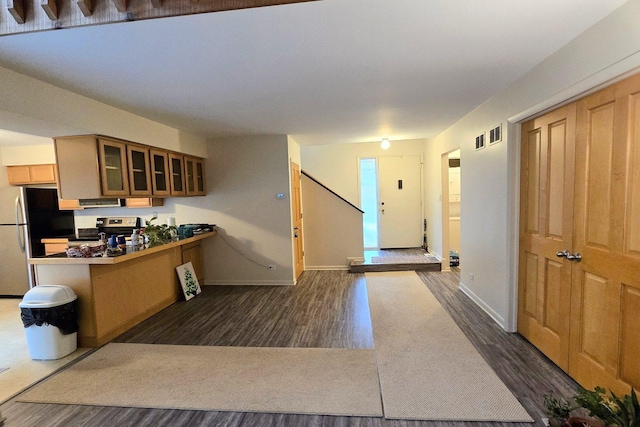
244,176
337,165
34,107
489,204
28,155
332,229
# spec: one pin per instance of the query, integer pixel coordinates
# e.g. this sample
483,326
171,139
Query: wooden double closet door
579,259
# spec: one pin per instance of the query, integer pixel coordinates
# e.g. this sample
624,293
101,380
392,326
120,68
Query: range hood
101,203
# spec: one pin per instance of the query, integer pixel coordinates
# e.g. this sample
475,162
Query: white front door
400,202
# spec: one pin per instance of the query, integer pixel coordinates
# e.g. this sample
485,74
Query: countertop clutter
116,237
128,253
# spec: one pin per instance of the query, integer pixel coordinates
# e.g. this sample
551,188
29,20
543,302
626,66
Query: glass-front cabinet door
139,168
176,165
194,170
160,173
113,167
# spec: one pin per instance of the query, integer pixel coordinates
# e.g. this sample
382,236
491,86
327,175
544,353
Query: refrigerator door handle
21,239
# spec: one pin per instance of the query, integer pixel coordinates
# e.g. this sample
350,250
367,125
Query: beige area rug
428,369
242,379
409,259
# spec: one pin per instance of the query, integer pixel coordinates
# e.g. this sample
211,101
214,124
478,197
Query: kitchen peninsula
117,293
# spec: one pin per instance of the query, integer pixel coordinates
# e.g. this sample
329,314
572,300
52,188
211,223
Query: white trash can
50,316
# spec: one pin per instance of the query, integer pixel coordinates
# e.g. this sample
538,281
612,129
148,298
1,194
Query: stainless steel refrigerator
27,215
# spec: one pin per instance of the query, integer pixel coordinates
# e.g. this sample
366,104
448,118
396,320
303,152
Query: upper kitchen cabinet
31,174
113,167
93,166
176,165
139,170
194,172
78,167
160,172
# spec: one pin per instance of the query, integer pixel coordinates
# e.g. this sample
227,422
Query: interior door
546,228
605,314
296,212
593,222
400,201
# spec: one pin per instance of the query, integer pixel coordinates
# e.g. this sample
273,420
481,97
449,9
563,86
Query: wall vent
480,140
495,134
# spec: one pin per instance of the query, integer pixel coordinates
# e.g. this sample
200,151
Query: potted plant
557,409
158,234
593,408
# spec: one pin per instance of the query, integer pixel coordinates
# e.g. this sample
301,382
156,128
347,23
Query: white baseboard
248,283
476,299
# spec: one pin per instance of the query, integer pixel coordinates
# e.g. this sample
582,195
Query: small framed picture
188,280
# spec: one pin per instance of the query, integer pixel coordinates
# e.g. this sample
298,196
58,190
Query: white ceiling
323,72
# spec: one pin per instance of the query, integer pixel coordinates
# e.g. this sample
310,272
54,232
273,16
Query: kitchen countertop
131,253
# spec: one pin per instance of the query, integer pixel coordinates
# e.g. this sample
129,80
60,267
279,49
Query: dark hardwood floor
325,309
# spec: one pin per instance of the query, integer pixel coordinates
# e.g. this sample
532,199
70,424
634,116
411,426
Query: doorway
578,287
391,197
369,202
451,198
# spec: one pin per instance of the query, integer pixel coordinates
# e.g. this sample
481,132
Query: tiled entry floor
14,353
409,255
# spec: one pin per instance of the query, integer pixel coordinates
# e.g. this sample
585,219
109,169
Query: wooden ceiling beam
16,9
121,5
86,7
50,8
28,14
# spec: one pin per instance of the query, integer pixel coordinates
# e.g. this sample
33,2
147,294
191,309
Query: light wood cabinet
176,167
160,173
194,176
92,166
69,204
54,245
192,252
115,293
113,167
139,170
143,202
31,174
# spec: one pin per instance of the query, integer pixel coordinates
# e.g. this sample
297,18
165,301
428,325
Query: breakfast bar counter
117,293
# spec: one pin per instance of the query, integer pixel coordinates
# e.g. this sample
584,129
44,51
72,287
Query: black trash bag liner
64,317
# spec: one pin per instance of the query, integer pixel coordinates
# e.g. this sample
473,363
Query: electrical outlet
471,276
272,267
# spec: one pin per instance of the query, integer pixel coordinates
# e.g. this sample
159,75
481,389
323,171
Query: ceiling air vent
495,134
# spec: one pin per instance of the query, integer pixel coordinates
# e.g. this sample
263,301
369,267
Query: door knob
575,257
568,255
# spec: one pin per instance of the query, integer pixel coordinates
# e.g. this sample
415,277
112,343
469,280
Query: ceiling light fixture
385,143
